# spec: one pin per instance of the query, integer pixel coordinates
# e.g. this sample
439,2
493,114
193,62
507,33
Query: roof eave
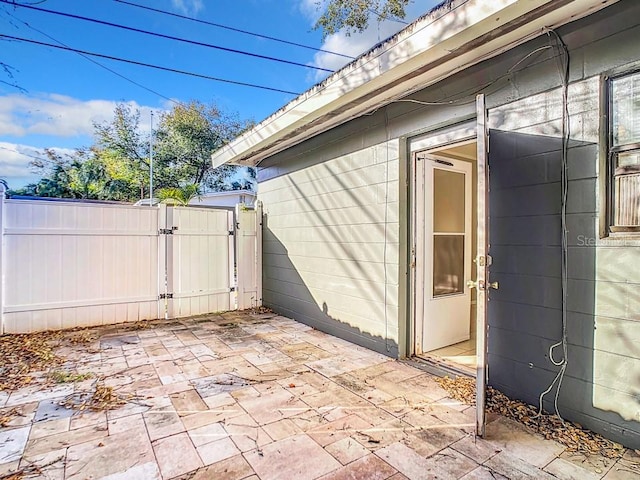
398,68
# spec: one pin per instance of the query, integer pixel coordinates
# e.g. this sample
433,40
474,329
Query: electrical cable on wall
469,98
563,61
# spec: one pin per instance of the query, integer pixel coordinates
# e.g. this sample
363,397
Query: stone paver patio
241,396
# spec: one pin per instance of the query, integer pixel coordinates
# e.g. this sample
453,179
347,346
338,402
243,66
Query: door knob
472,284
494,285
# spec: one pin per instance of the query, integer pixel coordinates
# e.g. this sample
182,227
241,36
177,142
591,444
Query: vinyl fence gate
77,264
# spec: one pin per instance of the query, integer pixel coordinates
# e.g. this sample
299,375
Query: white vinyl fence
74,264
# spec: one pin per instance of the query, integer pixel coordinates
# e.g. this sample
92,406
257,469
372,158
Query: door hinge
167,231
165,295
483,260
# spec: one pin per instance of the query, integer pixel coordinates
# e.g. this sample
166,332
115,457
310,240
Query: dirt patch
551,427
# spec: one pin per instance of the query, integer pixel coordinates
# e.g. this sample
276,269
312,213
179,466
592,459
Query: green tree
187,136
121,144
116,167
353,16
178,195
68,176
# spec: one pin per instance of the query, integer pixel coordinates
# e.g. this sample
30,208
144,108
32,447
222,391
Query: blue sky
61,94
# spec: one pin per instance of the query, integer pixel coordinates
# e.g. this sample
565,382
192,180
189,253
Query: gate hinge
165,295
167,231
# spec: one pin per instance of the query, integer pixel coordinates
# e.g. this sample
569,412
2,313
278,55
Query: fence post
239,257
2,247
232,247
163,262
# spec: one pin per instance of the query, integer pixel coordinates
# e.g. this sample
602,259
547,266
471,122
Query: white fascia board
432,48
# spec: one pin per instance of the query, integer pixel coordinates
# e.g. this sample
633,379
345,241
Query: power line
97,63
44,159
149,65
168,37
233,29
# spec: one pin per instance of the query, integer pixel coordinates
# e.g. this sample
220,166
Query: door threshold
439,367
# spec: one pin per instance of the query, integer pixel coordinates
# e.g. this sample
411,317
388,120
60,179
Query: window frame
609,153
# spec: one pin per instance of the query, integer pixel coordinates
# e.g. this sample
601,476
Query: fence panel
72,264
78,264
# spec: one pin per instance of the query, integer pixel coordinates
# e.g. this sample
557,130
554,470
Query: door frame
443,136
472,128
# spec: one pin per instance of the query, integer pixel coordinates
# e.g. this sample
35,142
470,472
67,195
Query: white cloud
312,9
57,115
188,7
357,43
15,162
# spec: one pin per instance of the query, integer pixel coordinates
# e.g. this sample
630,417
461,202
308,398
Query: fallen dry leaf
24,354
551,427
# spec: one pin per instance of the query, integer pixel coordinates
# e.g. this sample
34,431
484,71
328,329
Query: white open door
483,260
447,245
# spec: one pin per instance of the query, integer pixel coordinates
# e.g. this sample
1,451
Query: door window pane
448,264
448,201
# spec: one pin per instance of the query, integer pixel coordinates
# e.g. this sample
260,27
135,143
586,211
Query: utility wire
42,159
86,57
233,29
168,37
563,64
149,65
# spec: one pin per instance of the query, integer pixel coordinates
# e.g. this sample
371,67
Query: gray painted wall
325,247
600,387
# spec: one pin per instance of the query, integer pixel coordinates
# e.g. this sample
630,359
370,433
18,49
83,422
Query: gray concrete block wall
331,221
601,385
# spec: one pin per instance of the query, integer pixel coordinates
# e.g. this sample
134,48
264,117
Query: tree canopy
353,16
117,165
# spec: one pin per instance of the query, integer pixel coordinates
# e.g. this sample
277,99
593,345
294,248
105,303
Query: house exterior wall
330,244
325,235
